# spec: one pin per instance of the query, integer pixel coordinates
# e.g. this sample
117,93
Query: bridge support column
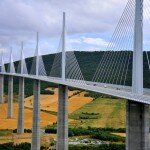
36,117
62,120
10,97
1,89
20,128
137,126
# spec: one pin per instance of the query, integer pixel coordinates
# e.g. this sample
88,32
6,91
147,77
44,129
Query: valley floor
83,112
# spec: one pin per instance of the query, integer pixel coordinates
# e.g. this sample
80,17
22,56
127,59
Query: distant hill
88,62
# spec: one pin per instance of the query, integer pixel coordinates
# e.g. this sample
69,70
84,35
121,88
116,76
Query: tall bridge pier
62,121
36,117
137,114
1,89
20,127
62,118
36,106
137,125
10,97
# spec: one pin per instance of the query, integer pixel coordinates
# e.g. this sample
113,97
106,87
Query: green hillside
88,62
101,112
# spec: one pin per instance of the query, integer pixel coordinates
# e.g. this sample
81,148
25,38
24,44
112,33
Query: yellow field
12,123
26,137
120,134
50,102
47,102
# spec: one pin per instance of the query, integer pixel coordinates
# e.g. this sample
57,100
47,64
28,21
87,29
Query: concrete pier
20,127
137,126
10,97
1,89
62,121
36,117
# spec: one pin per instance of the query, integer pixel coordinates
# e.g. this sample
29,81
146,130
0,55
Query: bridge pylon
62,116
35,145
64,48
137,74
137,114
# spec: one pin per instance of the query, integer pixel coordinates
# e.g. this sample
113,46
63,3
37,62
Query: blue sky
90,24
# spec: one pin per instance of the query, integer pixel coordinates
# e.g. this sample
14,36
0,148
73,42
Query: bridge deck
114,90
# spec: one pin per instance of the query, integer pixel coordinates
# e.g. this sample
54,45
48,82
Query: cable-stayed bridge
124,50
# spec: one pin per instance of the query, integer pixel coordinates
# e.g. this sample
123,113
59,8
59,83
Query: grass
117,116
50,112
110,113
5,132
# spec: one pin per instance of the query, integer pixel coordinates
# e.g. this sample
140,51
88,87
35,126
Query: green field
102,112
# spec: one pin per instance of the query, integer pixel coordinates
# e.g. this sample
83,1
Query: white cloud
89,41
77,40
94,41
20,19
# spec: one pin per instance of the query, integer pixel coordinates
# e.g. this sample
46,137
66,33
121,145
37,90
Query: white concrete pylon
22,58
11,68
37,55
22,68
137,74
2,63
64,48
38,68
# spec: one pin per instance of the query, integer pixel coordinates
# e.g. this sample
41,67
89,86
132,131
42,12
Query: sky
89,24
